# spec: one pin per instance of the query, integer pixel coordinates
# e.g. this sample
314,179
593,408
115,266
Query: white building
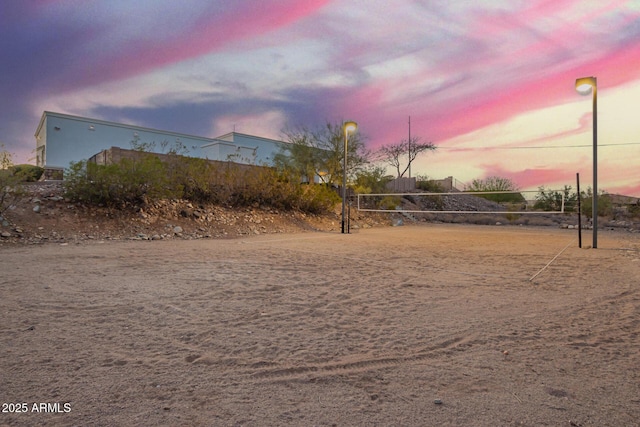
62,139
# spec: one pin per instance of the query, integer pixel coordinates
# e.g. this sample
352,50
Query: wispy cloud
455,67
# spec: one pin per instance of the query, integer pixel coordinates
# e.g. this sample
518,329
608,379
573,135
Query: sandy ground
430,325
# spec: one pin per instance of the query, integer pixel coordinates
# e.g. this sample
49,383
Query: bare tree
406,150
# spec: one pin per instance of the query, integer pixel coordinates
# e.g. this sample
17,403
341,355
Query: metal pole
409,146
595,164
344,176
579,212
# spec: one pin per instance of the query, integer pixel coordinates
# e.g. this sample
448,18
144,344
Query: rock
156,237
5,234
37,208
35,200
5,223
177,229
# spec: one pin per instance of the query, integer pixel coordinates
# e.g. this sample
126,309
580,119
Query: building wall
62,139
243,148
115,154
402,185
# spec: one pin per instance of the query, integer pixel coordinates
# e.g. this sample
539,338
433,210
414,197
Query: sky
490,82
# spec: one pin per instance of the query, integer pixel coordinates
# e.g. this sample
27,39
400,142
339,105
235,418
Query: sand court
417,325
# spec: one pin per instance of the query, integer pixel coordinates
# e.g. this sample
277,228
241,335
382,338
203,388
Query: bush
430,186
143,180
605,205
26,173
128,182
390,202
10,189
548,200
11,179
371,180
496,183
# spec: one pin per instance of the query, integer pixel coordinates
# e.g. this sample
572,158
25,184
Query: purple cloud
453,67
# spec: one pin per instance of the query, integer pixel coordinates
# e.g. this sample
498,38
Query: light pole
347,127
584,86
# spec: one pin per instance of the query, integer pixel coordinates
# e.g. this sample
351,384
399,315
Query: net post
579,212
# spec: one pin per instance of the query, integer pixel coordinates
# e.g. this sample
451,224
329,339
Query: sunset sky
490,82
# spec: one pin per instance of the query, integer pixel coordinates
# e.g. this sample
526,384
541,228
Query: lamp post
584,86
347,127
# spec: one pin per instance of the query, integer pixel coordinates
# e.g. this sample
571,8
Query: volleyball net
466,202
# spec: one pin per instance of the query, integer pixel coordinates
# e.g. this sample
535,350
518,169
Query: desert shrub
10,184
128,182
371,180
190,178
605,205
429,186
390,202
504,197
10,189
495,183
512,217
132,182
318,199
279,189
26,173
549,200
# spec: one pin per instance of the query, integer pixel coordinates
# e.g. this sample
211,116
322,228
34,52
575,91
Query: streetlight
347,127
584,86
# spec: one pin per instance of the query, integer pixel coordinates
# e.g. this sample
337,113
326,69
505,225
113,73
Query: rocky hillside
44,215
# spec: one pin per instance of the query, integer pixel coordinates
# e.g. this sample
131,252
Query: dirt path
421,325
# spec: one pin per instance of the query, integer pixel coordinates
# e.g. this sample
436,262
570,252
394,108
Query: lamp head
350,127
585,85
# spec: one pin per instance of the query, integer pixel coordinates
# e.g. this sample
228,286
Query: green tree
496,183
371,179
551,200
605,205
320,152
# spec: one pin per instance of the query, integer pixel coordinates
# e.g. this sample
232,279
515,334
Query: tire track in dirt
292,373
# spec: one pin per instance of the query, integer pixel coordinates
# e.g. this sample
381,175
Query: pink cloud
612,70
627,189
539,73
532,178
213,31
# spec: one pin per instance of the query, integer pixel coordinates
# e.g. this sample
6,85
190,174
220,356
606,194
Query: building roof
207,140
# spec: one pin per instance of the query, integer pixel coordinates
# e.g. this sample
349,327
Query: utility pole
409,146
